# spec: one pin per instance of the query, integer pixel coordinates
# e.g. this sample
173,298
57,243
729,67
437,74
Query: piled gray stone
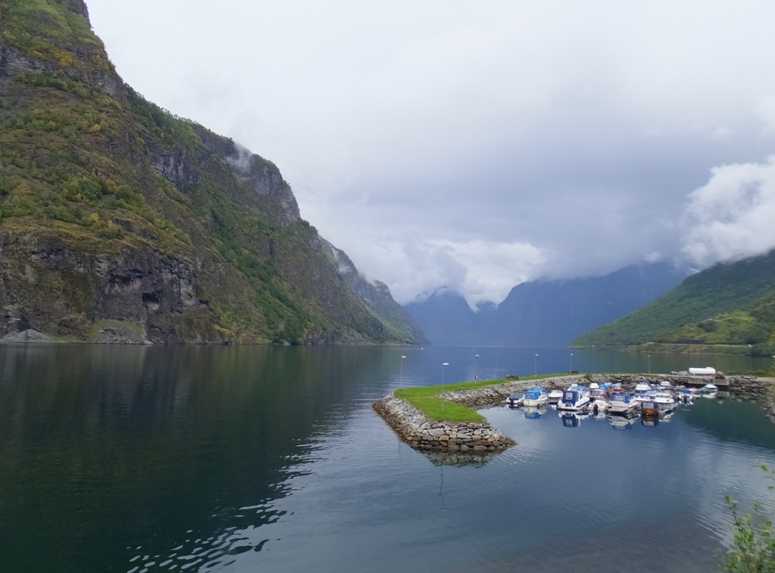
758,389
422,433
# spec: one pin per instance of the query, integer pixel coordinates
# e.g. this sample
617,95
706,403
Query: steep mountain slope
732,299
544,313
121,222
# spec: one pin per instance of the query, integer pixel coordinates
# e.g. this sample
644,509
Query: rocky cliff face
122,223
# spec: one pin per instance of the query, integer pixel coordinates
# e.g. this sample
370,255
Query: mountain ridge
699,305
544,312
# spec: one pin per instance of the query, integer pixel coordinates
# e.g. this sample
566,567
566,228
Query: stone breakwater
759,390
422,433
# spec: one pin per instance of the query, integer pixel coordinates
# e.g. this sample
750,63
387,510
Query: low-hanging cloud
441,145
733,215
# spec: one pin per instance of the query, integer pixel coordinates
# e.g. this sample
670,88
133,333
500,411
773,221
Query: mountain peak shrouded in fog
544,312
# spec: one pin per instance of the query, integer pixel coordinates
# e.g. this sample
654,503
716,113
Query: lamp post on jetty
570,363
649,357
476,374
535,364
443,364
401,379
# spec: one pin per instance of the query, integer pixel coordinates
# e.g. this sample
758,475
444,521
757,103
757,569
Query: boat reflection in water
572,419
533,413
649,420
620,422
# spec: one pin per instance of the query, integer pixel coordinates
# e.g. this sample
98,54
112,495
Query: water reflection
623,422
271,459
142,452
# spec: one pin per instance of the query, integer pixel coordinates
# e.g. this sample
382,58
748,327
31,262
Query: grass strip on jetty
426,398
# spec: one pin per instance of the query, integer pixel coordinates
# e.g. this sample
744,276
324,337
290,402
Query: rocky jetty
422,433
756,389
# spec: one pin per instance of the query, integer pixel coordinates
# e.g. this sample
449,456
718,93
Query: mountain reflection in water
270,458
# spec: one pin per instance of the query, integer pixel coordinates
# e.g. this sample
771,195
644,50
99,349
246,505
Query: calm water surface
271,459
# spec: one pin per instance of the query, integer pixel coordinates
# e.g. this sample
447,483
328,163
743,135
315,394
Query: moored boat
574,400
709,388
649,408
664,400
622,404
642,386
555,396
535,397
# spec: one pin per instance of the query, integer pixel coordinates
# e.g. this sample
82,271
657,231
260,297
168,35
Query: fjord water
272,459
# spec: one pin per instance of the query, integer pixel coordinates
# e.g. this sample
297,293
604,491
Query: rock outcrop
120,222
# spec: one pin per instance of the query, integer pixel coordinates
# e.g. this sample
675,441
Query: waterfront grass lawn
425,398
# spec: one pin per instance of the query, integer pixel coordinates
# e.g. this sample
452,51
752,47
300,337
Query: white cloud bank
733,215
475,146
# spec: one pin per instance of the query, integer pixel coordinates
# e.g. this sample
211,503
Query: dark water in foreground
271,459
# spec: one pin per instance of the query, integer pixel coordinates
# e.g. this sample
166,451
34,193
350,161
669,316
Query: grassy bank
426,399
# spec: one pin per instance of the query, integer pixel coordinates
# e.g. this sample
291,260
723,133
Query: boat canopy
621,398
570,396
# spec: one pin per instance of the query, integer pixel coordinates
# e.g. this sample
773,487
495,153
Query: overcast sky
480,144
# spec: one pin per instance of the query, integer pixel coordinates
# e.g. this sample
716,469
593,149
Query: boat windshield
619,398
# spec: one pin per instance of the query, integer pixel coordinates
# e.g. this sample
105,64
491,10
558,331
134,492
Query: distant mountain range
545,312
730,303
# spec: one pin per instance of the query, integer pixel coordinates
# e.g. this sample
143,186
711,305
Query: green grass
425,398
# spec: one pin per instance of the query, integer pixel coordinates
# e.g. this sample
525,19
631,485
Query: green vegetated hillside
120,222
730,303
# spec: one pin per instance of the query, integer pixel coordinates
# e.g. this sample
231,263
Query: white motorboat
555,396
642,387
622,404
599,391
644,396
664,400
687,397
535,398
600,407
574,399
